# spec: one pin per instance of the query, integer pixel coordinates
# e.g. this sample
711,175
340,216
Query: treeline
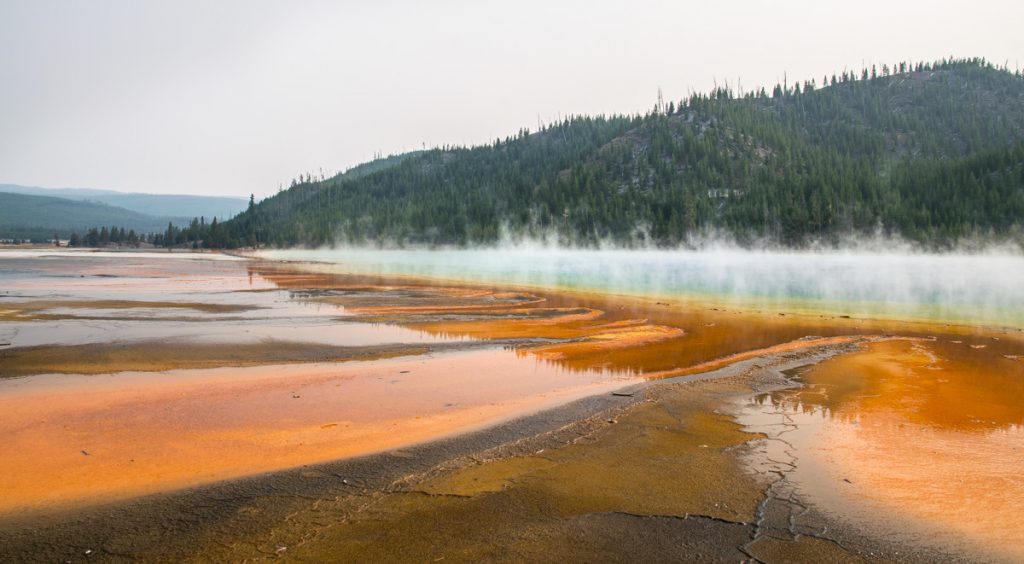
103,237
930,151
197,235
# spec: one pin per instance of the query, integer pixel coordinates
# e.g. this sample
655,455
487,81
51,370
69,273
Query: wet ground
735,435
908,439
205,369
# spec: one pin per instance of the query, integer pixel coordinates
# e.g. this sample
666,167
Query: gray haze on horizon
235,97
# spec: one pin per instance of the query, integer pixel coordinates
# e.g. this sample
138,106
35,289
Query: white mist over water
975,288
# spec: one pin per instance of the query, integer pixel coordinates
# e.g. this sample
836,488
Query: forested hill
39,218
159,205
934,152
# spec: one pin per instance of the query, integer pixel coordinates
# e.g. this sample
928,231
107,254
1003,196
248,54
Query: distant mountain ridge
24,216
160,205
932,152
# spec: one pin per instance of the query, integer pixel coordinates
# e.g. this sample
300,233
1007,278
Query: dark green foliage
103,237
198,234
933,154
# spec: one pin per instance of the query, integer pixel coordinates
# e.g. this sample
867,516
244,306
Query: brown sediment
665,459
792,346
618,335
159,356
40,309
622,466
441,301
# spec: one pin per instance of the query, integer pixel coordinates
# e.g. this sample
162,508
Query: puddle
909,440
147,432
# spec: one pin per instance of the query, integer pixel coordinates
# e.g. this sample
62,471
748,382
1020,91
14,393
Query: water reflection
941,384
909,439
144,434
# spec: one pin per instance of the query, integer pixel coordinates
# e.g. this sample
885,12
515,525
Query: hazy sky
233,97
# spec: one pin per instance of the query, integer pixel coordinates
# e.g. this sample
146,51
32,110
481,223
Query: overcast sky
236,97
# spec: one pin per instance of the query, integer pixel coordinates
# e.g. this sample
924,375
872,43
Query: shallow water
241,409
62,288
954,287
908,439
127,434
118,432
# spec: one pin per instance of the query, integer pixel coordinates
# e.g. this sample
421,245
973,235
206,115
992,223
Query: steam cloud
872,277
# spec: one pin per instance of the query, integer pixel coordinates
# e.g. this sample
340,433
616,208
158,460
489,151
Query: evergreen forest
932,152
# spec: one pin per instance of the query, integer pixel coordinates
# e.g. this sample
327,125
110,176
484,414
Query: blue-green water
987,288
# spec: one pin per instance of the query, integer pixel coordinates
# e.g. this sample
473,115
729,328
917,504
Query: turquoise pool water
981,288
